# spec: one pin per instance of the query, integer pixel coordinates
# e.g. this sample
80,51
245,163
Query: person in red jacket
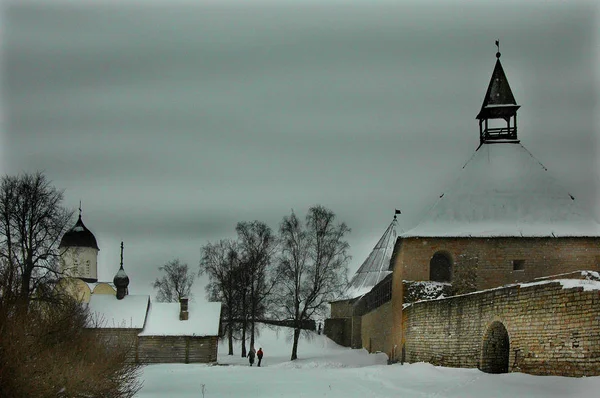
259,355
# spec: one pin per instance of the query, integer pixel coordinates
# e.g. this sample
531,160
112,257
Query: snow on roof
108,312
376,266
504,191
163,320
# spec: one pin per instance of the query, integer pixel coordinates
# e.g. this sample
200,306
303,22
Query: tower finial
79,208
121,254
397,212
498,45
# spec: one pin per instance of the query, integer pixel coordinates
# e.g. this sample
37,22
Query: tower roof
499,101
504,191
376,266
79,236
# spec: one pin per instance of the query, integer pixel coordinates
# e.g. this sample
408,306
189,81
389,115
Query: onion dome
121,279
79,236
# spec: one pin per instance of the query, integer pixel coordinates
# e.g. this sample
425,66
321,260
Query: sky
325,369
172,121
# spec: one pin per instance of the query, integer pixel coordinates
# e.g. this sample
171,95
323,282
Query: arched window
440,268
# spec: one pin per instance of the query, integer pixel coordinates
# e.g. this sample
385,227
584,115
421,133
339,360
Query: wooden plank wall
177,349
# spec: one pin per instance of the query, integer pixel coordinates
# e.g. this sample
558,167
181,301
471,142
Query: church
160,332
502,273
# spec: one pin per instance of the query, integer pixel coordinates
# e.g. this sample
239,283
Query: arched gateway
496,349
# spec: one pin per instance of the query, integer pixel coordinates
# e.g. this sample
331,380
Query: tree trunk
244,340
252,333
295,346
230,337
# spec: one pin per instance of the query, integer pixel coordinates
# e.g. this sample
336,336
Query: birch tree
175,284
220,261
257,244
32,222
312,265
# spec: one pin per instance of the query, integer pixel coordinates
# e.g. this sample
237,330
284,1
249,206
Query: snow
109,312
163,320
325,369
504,191
587,285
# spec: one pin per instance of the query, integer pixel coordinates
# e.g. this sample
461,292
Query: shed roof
163,320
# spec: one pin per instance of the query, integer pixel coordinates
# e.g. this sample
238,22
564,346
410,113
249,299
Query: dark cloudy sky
173,121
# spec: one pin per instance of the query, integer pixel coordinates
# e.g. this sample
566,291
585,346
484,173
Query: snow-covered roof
504,191
163,320
108,312
376,266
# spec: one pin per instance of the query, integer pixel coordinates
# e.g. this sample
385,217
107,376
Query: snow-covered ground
324,369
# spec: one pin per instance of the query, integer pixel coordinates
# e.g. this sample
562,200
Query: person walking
259,355
251,355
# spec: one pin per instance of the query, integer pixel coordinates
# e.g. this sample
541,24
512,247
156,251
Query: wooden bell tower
499,103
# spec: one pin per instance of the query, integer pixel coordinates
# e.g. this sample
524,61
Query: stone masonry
549,330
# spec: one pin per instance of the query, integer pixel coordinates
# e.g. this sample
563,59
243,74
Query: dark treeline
46,348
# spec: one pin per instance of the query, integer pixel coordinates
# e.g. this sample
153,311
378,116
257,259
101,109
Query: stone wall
542,329
492,258
339,330
376,329
342,308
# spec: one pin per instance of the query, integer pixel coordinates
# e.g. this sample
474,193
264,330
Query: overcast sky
171,122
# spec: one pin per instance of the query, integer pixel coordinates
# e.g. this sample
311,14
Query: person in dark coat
259,355
251,355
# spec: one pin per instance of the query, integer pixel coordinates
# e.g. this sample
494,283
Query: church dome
79,236
121,280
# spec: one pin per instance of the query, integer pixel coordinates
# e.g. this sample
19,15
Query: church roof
108,312
504,191
376,266
79,236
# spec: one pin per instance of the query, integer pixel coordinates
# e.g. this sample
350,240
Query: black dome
79,236
121,279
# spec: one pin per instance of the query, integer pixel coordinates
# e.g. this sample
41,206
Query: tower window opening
518,265
440,268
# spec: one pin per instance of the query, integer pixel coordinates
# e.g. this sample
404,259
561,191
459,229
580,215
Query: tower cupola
79,252
498,104
121,280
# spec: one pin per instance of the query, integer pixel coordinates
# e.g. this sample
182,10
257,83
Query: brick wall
549,330
492,258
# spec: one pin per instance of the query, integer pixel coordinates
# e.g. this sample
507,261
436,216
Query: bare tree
221,262
32,222
257,246
175,284
312,264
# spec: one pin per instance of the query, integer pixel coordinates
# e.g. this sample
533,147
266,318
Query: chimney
183,312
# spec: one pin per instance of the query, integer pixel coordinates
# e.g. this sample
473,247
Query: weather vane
498,45
79,207
121,254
